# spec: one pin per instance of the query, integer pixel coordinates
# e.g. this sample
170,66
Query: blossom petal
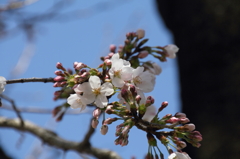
75,101
117,82
138,71
86,87
107,89
126,74
94,81
88,98
101,101
150,113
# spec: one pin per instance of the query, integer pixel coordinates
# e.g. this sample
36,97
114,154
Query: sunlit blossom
179,155
76,101
120,71
94,91
144,80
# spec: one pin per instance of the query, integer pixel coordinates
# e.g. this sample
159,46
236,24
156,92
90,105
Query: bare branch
54,140
14,107
34,79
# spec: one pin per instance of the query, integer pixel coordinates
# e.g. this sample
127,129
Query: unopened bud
96,113
80,65
181,144
138,99
95,123
149,101
108,62
133,90
171,50
140,33
143,54
112,48
109,121
184,120
59,79
104,129
180,115
59,73
164,105
60,66
124,94
172,120
57,84
189,127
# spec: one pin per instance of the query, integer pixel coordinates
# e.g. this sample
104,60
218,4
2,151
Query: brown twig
54,140
23,80
14,107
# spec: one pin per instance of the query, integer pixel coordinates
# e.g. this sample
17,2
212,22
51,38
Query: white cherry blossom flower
94,91
171,50
120,71
150,113
2,84
76,101
179,155
145,81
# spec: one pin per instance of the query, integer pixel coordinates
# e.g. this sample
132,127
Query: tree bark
208,35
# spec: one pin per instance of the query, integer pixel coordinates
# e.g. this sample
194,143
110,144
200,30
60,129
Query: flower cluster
123,73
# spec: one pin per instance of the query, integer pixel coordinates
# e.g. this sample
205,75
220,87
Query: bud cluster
122,73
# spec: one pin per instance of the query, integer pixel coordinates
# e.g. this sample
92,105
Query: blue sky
83,36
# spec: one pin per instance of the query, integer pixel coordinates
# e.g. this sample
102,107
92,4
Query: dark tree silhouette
208,35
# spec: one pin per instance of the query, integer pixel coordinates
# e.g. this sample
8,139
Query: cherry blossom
156,69
94,91
144,80
2,84
76,101
120,71
179,155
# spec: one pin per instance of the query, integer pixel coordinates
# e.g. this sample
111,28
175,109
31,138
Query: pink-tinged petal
126,63
101,101
117,82
150,113
107,89
137,71
86,88
78,89
94,81
126,74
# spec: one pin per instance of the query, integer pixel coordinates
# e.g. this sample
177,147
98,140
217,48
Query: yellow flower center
137,80
117,73
97,91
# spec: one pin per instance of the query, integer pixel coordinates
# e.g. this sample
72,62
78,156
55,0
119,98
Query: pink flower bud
60,66
189,127
59,73
149,101
108,62
96,113
110,54
57,84
59,78
172,120
171,50
80,65
180,115
140,33
109,121
138,99
143,54
164,105
63,83
124,142
75,64
181,144
184,120
104,129
112,48
94,123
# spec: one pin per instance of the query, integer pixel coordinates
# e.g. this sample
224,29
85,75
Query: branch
23,80
54,140
14,107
